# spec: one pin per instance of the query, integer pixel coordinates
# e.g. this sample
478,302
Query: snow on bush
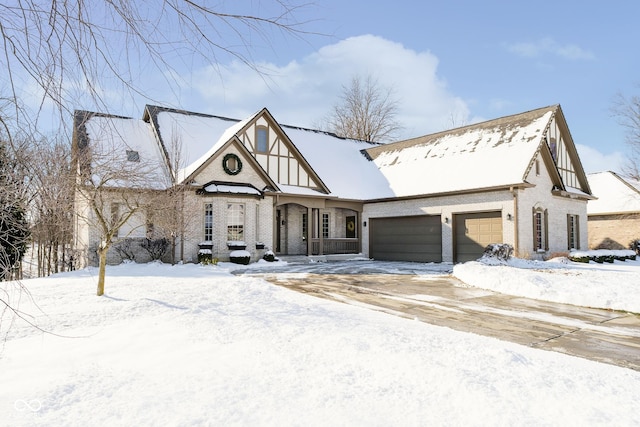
602,255
269,256
498,251
240,257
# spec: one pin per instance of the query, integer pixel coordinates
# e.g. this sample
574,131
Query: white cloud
550,46
595,161
302,92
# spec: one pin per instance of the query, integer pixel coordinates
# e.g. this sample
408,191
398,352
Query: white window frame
573,232
208,222
235,222
540,230
326,222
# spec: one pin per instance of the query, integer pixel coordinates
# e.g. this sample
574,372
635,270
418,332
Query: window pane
304,226
208,222
539,231
235,222
261,139
573,231
325,226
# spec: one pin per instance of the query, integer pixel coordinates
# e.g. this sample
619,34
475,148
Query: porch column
309,230
320,234
359,230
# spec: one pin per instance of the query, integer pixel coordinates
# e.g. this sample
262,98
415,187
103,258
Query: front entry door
351,227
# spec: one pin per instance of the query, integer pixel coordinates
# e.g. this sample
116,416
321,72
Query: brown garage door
473,232
410,238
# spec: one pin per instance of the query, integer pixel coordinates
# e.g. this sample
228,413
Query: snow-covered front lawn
193,346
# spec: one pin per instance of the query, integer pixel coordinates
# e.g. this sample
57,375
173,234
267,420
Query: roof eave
569,194
506,187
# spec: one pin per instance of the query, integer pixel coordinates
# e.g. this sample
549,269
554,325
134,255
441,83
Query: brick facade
613,231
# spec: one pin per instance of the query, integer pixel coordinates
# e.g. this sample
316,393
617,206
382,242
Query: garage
407,238
473,232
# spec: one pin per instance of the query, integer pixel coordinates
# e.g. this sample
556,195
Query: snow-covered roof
338,161
196,137
615,194
341,164
124,152
491,154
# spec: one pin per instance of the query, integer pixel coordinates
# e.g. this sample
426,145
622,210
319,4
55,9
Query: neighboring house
440,197
614,218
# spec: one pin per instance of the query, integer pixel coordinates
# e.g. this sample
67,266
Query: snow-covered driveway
427,292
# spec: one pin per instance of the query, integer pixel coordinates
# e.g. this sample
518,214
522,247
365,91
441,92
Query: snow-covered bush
240,257
602,255
499,251
206,258
269,256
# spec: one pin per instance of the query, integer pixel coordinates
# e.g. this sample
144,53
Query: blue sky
449,63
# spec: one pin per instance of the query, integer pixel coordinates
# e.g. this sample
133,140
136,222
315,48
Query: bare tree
366,111
174,216
115,187
14,228
628,111
80,50
51,188
71,53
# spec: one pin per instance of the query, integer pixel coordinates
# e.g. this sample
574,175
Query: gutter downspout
516,237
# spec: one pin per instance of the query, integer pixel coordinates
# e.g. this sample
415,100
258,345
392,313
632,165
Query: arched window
540,229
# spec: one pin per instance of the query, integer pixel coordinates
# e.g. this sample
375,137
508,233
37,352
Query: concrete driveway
429,294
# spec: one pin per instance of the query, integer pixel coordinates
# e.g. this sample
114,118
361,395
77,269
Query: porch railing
335,246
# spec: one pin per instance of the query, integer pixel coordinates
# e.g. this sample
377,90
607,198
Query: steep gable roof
615,194
198,137
106,145
492,154
187,138
293,150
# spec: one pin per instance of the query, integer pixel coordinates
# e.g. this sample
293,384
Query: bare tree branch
627,109
366,111
72,50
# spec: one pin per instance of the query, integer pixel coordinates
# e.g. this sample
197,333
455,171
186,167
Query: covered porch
315,227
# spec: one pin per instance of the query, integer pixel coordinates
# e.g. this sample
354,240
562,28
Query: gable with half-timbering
564,154
275,153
